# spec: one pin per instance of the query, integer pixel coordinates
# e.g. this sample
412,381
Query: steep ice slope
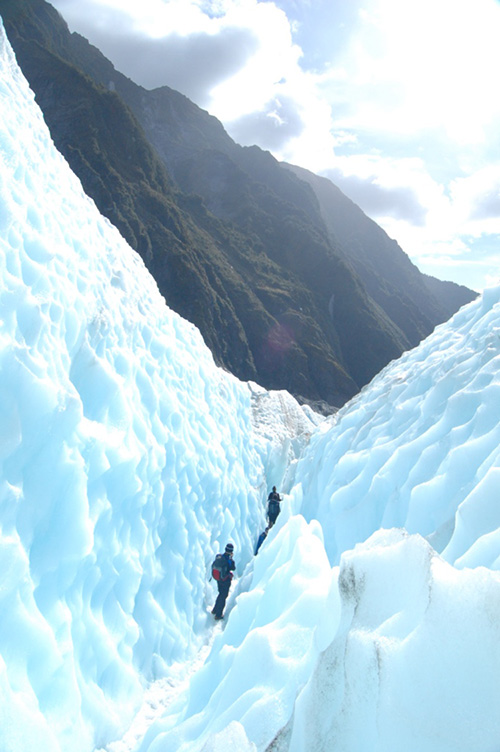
126,457
419,448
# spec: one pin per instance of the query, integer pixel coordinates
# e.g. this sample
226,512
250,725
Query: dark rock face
268,262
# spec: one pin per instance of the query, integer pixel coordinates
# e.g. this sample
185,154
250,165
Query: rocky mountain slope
411,299
245,248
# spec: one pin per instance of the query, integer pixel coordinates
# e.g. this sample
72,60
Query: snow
370,619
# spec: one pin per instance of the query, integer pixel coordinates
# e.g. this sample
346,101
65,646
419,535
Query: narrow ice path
159,695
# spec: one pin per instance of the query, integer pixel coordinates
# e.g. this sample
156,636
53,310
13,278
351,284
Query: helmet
229,548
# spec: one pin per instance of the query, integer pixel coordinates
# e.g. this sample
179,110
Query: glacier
370,619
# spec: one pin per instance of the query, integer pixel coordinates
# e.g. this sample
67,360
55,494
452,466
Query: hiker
273,506
262,538
227,567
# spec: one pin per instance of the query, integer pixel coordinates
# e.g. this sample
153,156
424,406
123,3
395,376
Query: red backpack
220,567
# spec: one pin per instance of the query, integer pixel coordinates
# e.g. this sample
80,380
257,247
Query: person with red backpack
222,572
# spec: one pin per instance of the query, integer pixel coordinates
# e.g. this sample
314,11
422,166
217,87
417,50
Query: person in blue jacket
262,538
224,584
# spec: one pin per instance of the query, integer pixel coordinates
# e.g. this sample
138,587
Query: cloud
479,195
380,201
272,127
476,202
415,66
192,64
186,50
468,262
488,206
195,47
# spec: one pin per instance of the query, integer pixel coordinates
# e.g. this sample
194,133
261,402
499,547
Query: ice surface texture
126,457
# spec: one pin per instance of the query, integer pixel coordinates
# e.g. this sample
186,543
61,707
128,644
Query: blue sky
397,102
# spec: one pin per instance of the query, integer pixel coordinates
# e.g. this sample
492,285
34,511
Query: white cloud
151,18
414,66
477,198
267,71
405,111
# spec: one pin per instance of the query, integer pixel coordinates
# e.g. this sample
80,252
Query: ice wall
415,661
419,447
127,459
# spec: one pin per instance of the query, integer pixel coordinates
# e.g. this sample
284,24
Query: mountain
237,243
369,620
411,299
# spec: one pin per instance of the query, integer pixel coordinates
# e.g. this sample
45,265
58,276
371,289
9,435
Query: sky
394,101
370,618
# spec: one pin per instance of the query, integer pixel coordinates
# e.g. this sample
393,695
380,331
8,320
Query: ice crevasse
381,631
